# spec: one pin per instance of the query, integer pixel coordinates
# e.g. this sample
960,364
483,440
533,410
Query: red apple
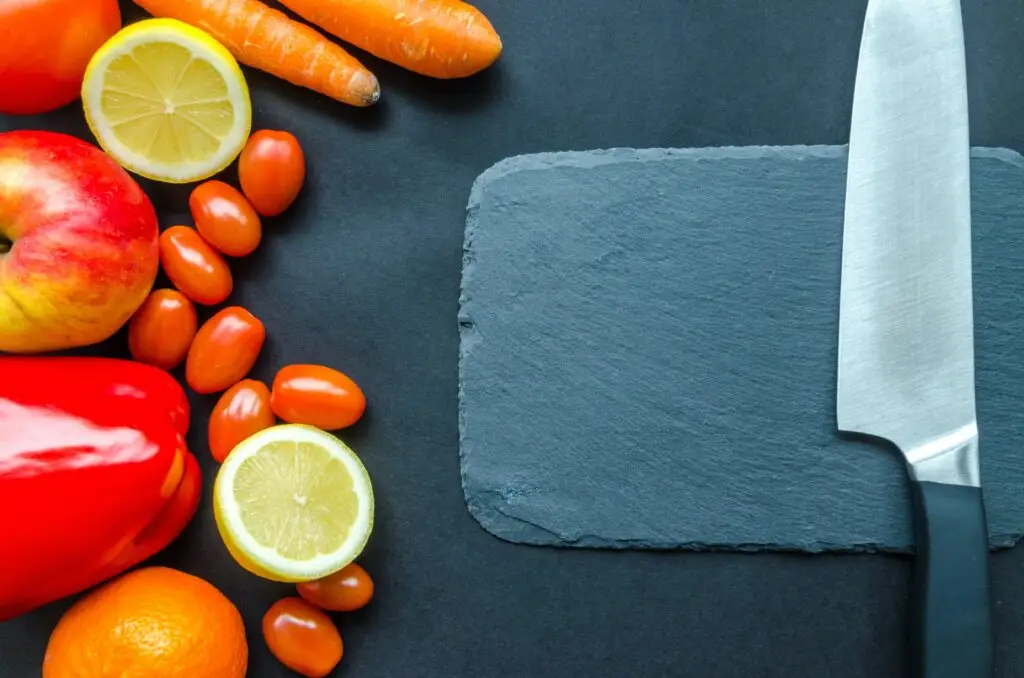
78,243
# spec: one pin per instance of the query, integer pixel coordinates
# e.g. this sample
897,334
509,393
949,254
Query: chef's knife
906,344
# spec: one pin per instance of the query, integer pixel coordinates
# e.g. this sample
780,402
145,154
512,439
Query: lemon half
293,504
167,101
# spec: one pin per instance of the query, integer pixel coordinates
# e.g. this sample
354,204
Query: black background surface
363,274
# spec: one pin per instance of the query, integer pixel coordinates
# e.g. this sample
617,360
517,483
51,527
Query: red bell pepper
95,476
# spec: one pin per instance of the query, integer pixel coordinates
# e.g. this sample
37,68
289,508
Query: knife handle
953,634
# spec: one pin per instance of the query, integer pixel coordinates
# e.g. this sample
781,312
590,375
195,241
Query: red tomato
243,410
271,170
344,591
225,218
194,267
302,637
224,350
46,47
162,329
317,396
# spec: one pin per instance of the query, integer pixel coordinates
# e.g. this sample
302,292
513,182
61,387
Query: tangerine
154,622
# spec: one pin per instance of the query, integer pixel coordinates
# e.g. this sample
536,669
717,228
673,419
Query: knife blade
906,329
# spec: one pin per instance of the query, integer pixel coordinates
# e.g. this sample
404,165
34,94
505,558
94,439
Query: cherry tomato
225,218
243,410
224,350
194,267
271,170
162,329
317,396
344,591
302,637
46,47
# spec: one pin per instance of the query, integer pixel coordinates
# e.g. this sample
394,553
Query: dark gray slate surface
649,345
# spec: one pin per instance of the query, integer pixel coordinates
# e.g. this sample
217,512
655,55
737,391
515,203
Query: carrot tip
366,87
373,97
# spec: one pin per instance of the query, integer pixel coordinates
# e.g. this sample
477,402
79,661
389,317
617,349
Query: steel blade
906,347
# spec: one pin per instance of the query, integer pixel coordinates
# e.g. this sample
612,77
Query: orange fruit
151,623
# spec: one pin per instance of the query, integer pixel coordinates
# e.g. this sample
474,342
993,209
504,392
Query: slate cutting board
648,350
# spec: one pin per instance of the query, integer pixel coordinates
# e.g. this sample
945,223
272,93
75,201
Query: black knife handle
953,631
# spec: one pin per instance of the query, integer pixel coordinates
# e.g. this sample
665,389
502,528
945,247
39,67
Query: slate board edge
500,524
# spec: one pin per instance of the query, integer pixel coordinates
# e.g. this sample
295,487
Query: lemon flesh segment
167,101
293,503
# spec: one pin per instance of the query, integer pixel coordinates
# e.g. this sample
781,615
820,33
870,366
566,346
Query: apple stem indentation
5,245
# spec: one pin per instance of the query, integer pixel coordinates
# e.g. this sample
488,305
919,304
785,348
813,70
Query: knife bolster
950,460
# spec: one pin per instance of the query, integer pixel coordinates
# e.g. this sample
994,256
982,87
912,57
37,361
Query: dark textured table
363,274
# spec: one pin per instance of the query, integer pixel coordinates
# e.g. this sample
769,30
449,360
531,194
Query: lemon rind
201,45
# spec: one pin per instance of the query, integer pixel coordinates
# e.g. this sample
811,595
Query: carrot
437,38
266,39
